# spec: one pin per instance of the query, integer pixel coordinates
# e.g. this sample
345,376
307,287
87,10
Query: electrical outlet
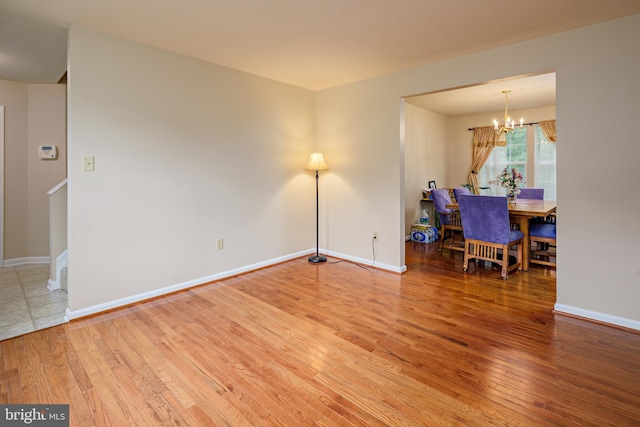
220,244
375,234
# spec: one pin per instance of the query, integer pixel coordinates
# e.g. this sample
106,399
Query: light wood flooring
337,344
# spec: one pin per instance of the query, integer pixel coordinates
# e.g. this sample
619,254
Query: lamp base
317,258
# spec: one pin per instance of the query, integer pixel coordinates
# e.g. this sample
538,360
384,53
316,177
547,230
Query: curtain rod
524,124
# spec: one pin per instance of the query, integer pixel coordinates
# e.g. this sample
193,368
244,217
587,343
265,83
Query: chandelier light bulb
509,124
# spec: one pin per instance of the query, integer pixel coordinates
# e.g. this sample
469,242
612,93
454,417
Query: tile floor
26,304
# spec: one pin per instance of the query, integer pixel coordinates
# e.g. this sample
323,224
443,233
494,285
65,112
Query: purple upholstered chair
544,236
534,194
487,232
531,193
462,191
449,218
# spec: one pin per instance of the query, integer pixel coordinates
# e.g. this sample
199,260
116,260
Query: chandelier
508,124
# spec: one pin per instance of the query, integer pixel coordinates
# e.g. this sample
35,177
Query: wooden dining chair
543,236
487,232
531,193
462,191
450,224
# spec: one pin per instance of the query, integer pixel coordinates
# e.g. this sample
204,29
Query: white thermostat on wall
48,152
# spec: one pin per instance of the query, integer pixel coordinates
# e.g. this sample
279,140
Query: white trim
368,262
62,261
53,285
26,260
2,262
70,315
57,187
600,317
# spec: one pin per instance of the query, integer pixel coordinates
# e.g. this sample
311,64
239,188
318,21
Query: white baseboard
70,315
61,263
368,262
600,317
53,285
26,260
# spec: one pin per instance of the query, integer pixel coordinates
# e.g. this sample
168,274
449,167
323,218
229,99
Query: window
545,164
527,150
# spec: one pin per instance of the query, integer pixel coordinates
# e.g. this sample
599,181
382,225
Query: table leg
523,223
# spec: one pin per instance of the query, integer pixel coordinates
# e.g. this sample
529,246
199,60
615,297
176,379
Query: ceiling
526,92
308,43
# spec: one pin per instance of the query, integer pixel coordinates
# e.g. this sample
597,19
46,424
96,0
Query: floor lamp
317,163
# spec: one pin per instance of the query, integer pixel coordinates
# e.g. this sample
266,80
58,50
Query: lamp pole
317,163
317,257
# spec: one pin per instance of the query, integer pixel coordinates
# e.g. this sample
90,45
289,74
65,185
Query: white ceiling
309,43
526,92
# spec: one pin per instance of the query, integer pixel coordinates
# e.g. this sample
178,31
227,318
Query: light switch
89,164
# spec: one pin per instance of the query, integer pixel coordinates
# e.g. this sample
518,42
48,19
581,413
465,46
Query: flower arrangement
509,180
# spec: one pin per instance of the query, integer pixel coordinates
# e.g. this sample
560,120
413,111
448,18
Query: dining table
521,212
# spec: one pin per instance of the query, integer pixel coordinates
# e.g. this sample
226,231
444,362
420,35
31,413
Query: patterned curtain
484,139
549,129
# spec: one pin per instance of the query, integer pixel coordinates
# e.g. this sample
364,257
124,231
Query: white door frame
1,185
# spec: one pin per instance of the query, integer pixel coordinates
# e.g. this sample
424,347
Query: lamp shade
316,163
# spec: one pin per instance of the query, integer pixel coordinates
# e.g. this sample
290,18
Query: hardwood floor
337,344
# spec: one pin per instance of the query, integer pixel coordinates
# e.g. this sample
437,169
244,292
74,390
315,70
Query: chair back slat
454,218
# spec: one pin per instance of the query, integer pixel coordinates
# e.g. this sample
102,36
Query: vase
511,197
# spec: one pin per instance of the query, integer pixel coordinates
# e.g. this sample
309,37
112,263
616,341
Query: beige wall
14,96
186,153
47,126
359,127
425,158
34,115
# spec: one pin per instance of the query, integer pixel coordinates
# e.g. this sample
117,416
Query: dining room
476,137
